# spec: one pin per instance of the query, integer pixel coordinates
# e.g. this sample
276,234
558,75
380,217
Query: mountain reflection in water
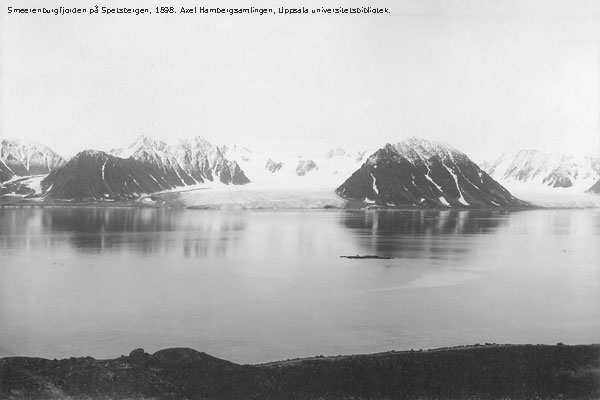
143,230
418,234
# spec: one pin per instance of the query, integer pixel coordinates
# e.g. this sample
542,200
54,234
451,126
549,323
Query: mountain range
542,169
415,172
147,166
190,162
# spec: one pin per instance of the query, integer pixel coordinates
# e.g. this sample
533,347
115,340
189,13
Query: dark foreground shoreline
473,372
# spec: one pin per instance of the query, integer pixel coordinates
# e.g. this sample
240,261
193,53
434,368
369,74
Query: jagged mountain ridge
157,154
23,158
196,161
192,161
423,173
551,170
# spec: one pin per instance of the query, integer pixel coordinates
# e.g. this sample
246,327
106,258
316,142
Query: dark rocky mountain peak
95,175
422,173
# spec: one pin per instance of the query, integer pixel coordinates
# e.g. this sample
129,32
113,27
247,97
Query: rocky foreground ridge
474,372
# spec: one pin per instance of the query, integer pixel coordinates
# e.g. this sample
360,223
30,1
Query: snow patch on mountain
25,187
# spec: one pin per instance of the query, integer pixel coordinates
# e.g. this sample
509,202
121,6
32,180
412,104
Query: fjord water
254,286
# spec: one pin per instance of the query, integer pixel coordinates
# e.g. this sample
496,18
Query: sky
486,76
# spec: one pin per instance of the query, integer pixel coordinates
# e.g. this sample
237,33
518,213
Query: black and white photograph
299,200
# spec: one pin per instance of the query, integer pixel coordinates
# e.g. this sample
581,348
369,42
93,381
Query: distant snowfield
545,196
260,197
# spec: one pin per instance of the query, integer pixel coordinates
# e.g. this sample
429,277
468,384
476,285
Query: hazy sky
484,76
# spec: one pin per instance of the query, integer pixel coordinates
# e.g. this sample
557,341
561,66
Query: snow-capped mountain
541,169
157,154
423,173
188,163
319,169
147,166
94,175
202,161
22,158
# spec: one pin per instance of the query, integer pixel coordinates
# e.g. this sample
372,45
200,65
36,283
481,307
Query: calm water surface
253,286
